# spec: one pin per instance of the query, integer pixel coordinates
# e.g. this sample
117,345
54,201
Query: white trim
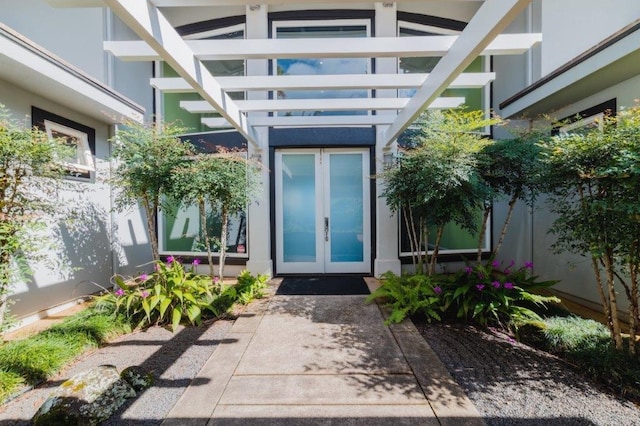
357,47
216,32
84,157
307,121
597,119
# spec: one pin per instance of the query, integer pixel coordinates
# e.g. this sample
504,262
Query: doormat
322,286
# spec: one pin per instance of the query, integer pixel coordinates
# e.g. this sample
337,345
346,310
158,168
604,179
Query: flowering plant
494,294
166,296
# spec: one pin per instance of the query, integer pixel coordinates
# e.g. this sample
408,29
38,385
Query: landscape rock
87,398
137,378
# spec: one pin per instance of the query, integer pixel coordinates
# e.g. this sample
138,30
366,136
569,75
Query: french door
322,211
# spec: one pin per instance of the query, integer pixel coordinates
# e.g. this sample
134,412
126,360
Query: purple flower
480,276
437,289
170,259
143,277
507,271
508,285
144,294
495,264
216,280
480,286
468,270
513,262
496,284
119,292
196,262
528,265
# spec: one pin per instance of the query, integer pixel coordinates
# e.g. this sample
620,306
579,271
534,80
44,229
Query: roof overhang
32,68
612,61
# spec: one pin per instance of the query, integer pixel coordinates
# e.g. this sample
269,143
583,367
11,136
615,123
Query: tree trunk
205,235
436,250
483,230
3,308
411,234
633,304
149,210
223,242
505,225
616,336
606,308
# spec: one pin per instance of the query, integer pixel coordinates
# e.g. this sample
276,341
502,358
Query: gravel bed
173,359
514,384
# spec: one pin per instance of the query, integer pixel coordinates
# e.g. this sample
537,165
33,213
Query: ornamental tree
146,156
594,181
30,177
225,181
436,182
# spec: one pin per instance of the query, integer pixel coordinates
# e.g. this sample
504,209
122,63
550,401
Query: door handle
326,229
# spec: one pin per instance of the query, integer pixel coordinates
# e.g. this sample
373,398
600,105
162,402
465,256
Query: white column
260,262
386,250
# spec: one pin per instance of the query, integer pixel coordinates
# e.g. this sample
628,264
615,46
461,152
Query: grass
586,344
37,358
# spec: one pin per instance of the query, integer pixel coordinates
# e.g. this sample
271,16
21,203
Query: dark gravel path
174,359
514,384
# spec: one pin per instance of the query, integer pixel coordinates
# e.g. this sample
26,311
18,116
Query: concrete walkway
291,360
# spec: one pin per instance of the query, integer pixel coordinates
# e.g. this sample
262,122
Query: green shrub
487,295
167,296
408,295
571,334
9,382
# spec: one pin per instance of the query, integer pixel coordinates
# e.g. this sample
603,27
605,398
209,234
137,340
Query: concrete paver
322,360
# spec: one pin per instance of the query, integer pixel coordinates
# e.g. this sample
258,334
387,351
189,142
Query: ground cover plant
587,346
138,302
34,359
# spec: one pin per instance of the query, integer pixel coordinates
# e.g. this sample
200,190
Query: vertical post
386,250
259,243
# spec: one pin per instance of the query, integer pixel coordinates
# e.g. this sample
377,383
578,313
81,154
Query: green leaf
176,316
164,305
146,308
193,312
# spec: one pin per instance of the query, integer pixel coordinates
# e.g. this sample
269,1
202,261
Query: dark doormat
322,286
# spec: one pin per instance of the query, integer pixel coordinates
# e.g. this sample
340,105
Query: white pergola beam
377,47
307,121
485,26
324,82
207,3
351,104
155,31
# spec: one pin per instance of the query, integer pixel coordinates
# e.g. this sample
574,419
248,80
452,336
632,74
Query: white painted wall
82,252
572,26
75,35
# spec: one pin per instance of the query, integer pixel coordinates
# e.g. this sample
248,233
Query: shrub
408,295
487,295
166,296
573,333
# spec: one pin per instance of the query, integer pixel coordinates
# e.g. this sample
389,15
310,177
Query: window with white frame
79,138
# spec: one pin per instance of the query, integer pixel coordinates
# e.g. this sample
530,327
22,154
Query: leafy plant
436,182
147,155
167,296
30,176
407,295
250,288
487,295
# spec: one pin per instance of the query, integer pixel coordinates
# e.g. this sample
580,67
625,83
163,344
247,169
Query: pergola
161,41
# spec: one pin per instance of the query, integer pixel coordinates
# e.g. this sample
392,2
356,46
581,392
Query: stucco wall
572,26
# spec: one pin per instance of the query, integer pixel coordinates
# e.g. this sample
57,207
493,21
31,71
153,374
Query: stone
137,378
87,398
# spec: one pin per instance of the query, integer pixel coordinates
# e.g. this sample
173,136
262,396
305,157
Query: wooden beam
324,82
492,18
351,104
371,47
154,29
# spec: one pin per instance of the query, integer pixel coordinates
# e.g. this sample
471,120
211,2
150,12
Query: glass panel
473,97
182,230
299,207
322,66
346,206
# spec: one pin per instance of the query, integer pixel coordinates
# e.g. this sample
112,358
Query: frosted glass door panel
346,207
299,208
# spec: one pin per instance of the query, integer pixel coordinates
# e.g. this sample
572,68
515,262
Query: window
344,28
81,139
180,231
